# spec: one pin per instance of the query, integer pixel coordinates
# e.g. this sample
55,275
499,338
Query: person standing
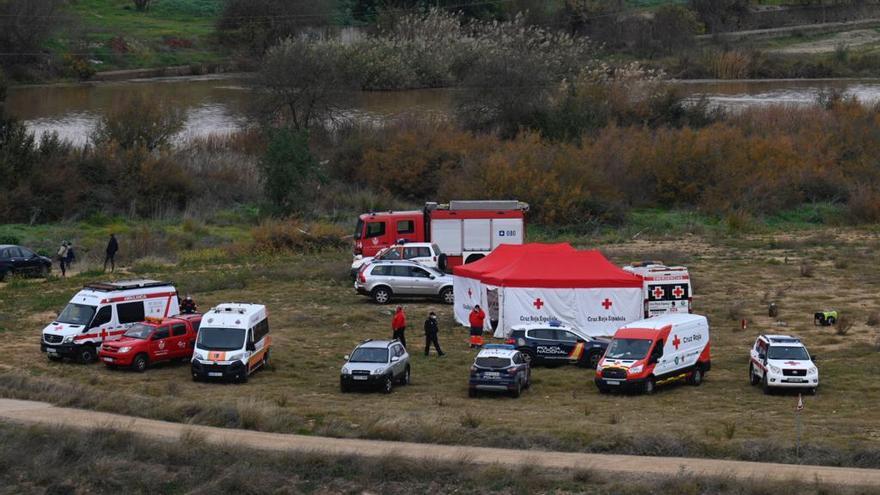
431,330
188,306
112,248
476,320
71,255
398,326
62,258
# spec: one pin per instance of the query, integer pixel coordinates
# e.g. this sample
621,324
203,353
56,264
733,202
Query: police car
782,361
499,368
555,342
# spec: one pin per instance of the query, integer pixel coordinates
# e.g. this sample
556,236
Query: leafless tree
24,26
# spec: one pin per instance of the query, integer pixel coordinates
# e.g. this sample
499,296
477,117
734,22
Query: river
217,105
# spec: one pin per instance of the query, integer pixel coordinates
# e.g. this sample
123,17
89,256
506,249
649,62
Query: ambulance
667,289
656,351
233,342
104,311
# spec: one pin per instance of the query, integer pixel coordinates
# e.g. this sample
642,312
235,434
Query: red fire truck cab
465,231
153,341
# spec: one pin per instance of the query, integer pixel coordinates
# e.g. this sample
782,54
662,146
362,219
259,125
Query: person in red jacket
398,326
476,318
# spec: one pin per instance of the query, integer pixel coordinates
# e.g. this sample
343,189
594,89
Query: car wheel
528,356
766,386
472,392
265,360
388,385
447,296
243,377
382,295
517,391
404,380
696,378
753,378
649,386
85,354
139,363
343,387
830,321
196,378
2,276
603,389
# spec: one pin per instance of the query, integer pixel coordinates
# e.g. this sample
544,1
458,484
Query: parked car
656,351
386,280
375,364
499,368
557,343
18,260
782,361
153,341
423,253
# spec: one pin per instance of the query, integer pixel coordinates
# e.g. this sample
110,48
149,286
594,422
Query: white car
423,253
782,361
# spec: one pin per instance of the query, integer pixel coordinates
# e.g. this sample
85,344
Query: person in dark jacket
71,256
431,330
112,248
188,306
398,326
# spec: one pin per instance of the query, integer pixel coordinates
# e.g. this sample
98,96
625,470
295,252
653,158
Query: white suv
423,253
782,361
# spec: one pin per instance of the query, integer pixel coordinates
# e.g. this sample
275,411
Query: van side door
130,313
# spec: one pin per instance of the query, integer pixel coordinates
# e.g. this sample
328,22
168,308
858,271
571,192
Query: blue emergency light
555,323
500,346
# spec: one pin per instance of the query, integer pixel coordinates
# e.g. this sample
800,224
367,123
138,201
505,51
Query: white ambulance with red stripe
656,351
667,288
104,311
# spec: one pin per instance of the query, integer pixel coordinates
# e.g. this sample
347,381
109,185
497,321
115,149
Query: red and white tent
535,283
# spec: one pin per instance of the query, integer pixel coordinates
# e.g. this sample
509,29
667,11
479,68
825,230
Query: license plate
612,382
491,374
215,373
52,350
359,377
108,359
796,380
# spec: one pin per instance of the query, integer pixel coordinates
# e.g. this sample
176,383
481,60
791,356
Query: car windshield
492,362
388,254
785,352
139,331
76,314
220,339
628,348
358,229
369,355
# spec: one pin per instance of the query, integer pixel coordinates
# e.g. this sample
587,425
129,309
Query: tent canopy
505,255
561,269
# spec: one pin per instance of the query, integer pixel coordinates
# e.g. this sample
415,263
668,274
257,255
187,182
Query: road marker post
797,416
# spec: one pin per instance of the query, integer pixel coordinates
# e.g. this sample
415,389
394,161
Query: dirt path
40,413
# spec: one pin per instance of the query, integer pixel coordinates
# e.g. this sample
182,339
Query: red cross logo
792,363
538,303
658,292
606,303
676,342
678,292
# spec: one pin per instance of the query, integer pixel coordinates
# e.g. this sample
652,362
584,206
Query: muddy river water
218,104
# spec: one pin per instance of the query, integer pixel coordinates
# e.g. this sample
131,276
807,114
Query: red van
153,341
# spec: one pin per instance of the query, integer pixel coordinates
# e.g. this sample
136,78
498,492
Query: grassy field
316,319
171,32
130,464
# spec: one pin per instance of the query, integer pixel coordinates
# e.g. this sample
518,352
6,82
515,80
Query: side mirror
431,277
815,358
395,359
346,357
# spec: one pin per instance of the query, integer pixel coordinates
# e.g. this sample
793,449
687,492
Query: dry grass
316,319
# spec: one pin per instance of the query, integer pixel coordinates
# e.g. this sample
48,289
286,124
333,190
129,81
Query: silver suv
384,280
375,364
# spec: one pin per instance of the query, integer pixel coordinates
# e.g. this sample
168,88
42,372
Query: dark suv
17,260
557,343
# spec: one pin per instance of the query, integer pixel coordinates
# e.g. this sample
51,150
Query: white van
233,342
104,311
667,289
656,351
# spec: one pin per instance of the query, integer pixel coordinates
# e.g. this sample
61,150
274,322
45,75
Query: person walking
431,330
398,326
71,256
112,248
476,320
62,258
188,306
